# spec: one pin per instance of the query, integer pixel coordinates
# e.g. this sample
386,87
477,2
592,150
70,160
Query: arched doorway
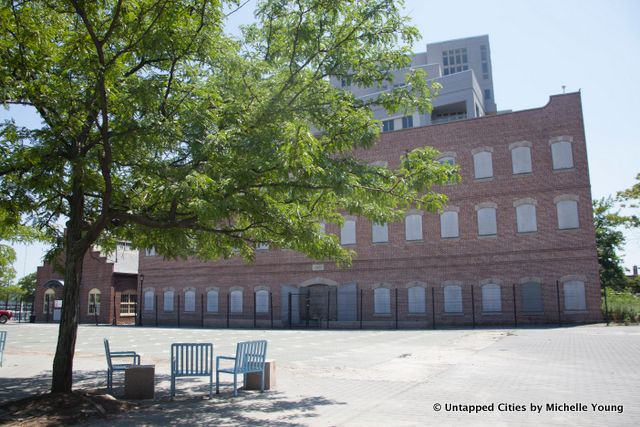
318,302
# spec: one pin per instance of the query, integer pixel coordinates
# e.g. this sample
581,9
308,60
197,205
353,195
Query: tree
160,129
609,240
630,198
7,258
28,286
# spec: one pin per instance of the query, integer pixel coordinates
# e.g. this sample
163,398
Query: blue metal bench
112,367
191,360
250,357
3,340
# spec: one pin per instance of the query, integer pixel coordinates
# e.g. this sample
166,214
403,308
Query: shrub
624,306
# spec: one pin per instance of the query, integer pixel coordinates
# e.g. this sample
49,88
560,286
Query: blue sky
536,48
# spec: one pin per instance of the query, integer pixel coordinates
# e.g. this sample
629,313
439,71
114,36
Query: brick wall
549,254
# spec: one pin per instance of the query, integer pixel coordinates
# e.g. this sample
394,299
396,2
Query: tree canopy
161,129
609,241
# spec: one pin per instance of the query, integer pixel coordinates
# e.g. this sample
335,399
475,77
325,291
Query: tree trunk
63,362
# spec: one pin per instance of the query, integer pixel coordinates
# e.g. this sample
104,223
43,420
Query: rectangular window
212,301
417,300
380,233
348,233
149,300
526,218
407,122
567,214
485,68
487,222
491,302
128,303
562,155
574,298
487,94
168,301
452,299
449,225
382,301
531,297
483,165
413,227
235,300
387,125
521,160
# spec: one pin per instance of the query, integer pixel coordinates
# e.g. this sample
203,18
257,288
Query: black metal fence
22,310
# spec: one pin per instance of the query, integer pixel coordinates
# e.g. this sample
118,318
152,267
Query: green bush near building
624,306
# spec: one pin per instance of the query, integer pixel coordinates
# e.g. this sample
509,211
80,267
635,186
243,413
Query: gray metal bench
250,357
112,367
191,360
3,340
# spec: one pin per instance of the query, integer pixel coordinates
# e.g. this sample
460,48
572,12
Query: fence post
328,306
178,310
114,311
95,312
396,308
558,302
606,306
473,308
433,308
255,308
289,309
360,311
228,307
156,307
515,314
271,307
202,310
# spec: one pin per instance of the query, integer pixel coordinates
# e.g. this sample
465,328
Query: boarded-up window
235,301
168,301
574,299
531,297
382,301
453,299
567,214
526,218
449,225
521,160
380,233
149,299
562,155
491,298
348,233
262,301
483,164
487,222
413,227
189,301
417,300
212,301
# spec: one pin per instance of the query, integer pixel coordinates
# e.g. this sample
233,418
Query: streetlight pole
140,296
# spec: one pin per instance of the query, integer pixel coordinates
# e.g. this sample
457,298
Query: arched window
526,215
574,298
567,210
413,227
348,232
449,224
149,299
381,301
561,153
487,225
417,301
235,300
521,157
483,164
189,301
491,298
168,300
262,301
94,301
212,301
379,233
49,298
531,297
453,299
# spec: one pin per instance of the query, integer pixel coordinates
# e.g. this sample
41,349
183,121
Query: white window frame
129,306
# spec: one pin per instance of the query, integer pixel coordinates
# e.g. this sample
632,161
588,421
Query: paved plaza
364,378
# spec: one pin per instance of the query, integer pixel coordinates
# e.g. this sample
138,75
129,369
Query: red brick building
515,244
108,289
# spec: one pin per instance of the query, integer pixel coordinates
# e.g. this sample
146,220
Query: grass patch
624,306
